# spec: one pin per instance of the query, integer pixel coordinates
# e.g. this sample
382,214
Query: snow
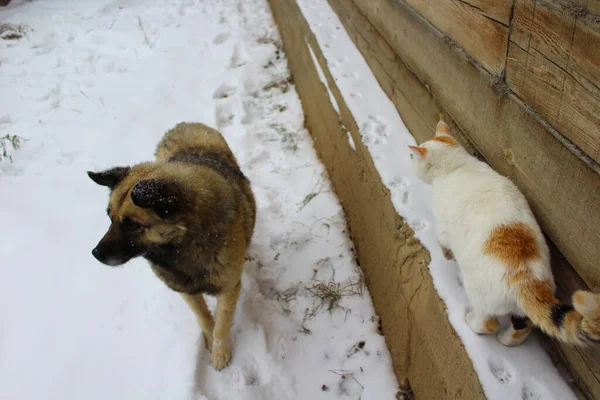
322,78
505,373
95,84
332,99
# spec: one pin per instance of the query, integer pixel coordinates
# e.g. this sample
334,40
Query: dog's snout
104,252
111,253
96,253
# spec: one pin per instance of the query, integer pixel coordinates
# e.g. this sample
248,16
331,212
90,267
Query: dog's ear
164,197
110,177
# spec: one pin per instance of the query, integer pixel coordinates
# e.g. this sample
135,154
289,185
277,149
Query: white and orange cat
485,223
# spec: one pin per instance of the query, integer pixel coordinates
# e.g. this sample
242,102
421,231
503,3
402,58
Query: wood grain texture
563,191
468,23
498,10
554,66
582,363
411,97
593,6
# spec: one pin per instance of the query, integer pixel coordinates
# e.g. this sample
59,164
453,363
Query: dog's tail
578,324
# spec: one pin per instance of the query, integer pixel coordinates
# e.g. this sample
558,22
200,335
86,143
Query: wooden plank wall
548,49
554,66
479,26
426,66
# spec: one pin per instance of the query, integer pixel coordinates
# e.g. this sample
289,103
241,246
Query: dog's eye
129,223
412,156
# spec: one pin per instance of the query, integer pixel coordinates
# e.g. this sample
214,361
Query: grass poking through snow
9,143
331,293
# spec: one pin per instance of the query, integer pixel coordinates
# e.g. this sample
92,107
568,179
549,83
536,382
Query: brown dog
191,214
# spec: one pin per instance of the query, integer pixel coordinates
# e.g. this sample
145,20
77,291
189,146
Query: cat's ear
418,151
442,129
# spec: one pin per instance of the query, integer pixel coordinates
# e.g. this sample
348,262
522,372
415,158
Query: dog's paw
221,356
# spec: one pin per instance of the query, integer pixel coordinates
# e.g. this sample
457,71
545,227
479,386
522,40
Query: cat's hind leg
517,332
482,324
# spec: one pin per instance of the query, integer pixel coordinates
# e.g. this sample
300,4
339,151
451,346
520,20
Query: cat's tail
578,324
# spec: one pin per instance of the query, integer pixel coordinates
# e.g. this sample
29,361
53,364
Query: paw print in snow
531,391
240,56
225,113
399,189
419,224
374,131
500,370
221,38
226,89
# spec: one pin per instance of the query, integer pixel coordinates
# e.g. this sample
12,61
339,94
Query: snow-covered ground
523,372
94,84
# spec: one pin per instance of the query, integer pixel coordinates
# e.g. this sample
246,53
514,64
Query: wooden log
479,26
579,6
514,141
554,66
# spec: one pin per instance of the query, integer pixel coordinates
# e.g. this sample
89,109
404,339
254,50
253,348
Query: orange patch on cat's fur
492,325
538,294
543,292
514,244
578,298
446,140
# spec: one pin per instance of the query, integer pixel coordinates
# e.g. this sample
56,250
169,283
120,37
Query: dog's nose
96,253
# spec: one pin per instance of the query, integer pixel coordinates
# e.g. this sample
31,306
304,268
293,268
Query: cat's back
475,196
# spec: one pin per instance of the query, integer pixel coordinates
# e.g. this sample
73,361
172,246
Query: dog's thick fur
191,214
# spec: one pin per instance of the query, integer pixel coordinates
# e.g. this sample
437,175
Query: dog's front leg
226,302
205,319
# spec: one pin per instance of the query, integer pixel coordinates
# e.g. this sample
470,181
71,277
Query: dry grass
345,382
13,31
313,193
6,143
331,293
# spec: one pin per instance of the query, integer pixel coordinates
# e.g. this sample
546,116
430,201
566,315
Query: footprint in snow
532,391
224,113
221,38
5,121
249,106
251,375
52,94
375,130
240,56
226,89
419,224
501,371
400,183
399,188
